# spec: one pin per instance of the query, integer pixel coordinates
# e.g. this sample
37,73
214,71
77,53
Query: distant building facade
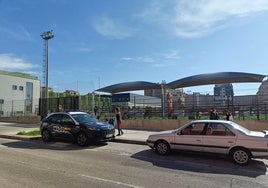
223,95
245,104
153,92
19,94
174,97
135,100
199,101
132,104
263,93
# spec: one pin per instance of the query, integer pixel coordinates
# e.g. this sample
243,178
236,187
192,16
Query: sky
98,43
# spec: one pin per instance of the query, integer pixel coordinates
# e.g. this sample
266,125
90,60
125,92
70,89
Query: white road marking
111,181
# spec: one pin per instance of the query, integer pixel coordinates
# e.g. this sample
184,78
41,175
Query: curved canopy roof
216,78
130,86
197,80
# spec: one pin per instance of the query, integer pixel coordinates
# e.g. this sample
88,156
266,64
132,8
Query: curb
25,138
138,142
15,137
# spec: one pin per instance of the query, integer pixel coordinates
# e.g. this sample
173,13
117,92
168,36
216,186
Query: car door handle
198,140
230,142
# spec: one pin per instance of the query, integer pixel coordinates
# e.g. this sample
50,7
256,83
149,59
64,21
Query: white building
19,94
263,93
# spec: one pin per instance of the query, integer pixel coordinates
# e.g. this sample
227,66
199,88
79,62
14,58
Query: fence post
265,108
163,84
12,110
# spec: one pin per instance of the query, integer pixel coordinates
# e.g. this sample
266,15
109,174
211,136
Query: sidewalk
10,131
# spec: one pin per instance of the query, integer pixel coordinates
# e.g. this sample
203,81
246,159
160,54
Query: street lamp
46,36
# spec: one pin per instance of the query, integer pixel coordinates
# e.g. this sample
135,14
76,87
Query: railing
14,108
103,108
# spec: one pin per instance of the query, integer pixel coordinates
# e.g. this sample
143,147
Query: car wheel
82,139
162,147
46,136
240,156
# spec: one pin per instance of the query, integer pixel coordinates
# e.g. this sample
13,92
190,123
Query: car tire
82,139
162,147
46,135
240,156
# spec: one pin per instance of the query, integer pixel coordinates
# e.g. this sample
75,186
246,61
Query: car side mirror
44,120
48,121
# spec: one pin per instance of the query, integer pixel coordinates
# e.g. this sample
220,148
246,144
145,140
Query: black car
78,127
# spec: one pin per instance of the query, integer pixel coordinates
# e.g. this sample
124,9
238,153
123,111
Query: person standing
95,110
229,116
213,114
118,121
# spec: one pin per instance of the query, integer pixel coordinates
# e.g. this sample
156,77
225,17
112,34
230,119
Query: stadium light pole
46,36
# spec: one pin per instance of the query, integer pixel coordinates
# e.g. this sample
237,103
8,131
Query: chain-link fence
133,107
95,105
19,108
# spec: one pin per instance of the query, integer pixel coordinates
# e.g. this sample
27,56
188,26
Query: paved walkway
10,130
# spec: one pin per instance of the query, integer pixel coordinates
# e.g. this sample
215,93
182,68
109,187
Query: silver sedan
213,136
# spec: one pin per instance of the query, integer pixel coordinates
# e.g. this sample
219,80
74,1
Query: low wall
21,119
148,125
159,125
152,125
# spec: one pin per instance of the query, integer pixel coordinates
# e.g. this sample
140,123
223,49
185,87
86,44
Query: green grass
29,133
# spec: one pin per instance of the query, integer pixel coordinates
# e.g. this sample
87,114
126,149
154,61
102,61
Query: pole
46,94
163,98
46,36
193,102
99,99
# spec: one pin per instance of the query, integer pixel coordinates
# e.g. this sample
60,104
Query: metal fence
98,106
103,107
245,112
19,108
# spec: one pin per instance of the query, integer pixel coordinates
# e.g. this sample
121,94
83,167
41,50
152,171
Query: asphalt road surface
37,164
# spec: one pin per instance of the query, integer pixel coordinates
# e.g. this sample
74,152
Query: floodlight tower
46,36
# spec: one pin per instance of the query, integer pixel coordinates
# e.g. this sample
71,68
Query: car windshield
240,128
83,118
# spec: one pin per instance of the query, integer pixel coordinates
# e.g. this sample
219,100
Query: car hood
258,134
98,125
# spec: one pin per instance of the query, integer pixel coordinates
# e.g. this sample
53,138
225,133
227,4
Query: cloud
126,58
111,28
166,59
172,54
25,33
81,47
197,18
20,33
11,63
84,49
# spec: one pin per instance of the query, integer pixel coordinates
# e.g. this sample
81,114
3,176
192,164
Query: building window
21,88
14,87
29,96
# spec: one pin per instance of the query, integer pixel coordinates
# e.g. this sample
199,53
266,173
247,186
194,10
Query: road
38,164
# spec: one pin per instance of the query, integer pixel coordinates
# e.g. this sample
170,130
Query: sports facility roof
130,86
216,78
197,80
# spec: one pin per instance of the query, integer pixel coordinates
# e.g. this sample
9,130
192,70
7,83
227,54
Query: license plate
109,135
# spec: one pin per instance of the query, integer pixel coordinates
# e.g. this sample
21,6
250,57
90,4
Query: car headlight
93,129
